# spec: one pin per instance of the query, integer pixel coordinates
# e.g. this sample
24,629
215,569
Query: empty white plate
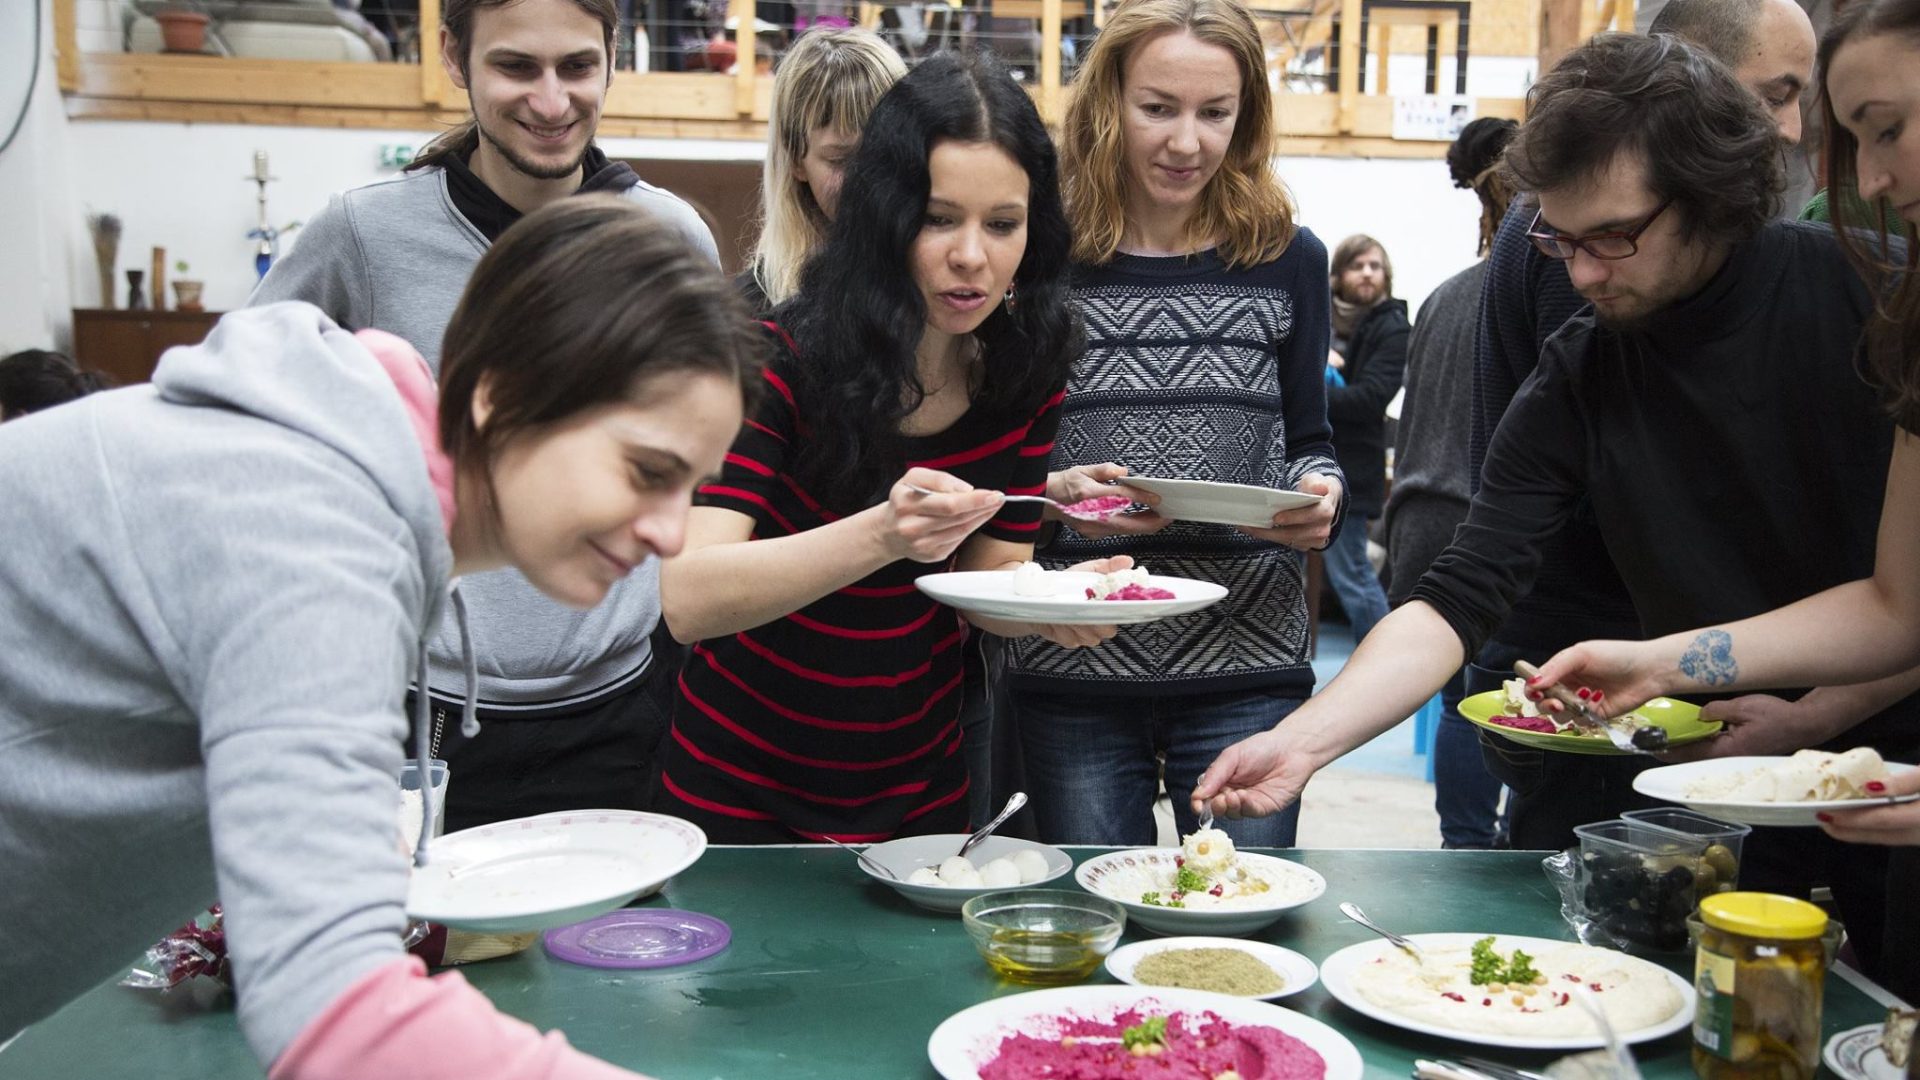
1220,503
536,873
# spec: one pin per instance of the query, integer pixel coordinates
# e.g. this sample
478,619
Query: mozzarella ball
1000,873
1031,864
954,867
923,876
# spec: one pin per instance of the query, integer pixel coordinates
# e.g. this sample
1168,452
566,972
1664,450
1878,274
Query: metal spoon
1206,815
1064,508
1019,800
1352,911
875,865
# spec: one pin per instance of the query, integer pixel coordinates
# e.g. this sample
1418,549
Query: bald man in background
1578,594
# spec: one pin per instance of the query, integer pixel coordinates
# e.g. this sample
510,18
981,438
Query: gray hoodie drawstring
469,718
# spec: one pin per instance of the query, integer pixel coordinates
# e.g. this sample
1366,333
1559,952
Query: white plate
1671,782
1219,503
909,853
1336,974
1097,876
990,593
536,873
1297,971
971,1037
1856,1055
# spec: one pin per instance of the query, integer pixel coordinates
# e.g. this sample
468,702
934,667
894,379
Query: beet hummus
1198,1047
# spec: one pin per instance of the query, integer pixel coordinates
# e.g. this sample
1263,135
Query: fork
1645,739
1497,1071
1064,508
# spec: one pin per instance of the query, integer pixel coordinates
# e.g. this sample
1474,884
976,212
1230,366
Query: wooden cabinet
125,345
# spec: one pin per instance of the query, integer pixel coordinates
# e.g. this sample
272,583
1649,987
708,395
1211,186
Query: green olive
1720,857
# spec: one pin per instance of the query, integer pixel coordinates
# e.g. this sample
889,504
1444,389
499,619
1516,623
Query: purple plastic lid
640,938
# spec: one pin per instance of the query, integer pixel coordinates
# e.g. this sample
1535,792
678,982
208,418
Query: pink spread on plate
1134,592
1525,723
1098,508
1198,1047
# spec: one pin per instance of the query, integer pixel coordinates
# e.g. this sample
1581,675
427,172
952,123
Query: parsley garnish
1186,879
1488,967
1154,899
1152,1031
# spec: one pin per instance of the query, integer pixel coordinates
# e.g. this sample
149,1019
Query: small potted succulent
185,290
183,26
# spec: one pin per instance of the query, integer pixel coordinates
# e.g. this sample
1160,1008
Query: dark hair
1893,334
582,303
1348,251
456,18
1724,28
1708,144
859,314
35,379
1474,163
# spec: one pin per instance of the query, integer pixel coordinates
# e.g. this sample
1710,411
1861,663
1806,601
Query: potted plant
183,26
185,290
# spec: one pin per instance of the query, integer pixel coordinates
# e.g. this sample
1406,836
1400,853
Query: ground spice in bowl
1223,971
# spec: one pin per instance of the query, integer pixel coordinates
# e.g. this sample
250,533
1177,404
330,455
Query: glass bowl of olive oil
1043,937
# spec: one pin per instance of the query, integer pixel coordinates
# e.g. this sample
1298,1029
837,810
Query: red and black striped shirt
842,718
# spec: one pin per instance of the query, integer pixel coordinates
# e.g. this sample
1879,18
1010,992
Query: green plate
1681,720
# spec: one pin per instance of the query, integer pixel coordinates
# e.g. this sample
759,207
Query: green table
831,975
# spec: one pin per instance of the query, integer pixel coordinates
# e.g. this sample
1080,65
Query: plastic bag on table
197,950
1565,872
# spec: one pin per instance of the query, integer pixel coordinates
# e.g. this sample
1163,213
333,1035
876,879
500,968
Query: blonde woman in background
1207,314
827,84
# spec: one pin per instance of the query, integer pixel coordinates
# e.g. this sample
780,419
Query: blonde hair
831,78
1243,209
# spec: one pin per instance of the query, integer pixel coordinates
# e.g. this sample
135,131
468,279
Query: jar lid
640,938
1763,915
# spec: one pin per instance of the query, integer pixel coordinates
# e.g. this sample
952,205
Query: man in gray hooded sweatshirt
580,701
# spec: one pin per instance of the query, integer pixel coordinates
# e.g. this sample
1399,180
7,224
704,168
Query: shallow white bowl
1297,970
1097,876
910,853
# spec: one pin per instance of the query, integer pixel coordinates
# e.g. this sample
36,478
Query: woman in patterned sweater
931,337
1206,312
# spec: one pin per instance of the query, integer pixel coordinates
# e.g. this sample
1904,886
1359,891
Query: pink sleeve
398,1022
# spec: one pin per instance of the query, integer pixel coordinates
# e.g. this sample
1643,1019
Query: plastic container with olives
1638,882
1725,841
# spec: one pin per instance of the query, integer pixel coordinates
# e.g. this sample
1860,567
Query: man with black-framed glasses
1708,409
1768,46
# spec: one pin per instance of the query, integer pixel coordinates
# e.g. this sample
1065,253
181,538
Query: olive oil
1043,957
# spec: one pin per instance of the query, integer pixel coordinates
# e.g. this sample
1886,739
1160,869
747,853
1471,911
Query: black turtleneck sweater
1733,456
492,214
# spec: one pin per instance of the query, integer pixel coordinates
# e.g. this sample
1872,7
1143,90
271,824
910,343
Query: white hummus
1634,993
1249,883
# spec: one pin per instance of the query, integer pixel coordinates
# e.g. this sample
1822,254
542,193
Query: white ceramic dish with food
1122,876
1342,975
536,873
1219,503
1296,971
968,1040
1674,782
1855,1054
910,853
991,593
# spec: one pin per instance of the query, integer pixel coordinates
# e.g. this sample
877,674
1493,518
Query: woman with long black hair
926,351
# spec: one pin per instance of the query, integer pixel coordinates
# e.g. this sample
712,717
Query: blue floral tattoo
1709,659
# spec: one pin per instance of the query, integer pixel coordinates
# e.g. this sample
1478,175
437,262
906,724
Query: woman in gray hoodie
214,590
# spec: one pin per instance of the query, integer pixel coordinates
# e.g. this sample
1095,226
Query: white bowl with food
1204,886
928,873
1252,969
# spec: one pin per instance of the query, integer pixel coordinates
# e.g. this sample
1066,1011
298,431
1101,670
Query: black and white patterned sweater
1197,371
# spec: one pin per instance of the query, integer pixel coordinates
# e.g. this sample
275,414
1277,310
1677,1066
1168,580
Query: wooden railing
1327,57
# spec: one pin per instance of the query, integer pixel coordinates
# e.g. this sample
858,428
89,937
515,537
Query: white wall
34,186
188,188
1429,227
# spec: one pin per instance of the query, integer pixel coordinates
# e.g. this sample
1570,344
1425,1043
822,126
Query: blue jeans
1466,795
1091,762
1353,579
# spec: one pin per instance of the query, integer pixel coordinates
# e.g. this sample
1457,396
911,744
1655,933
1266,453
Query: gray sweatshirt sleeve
679,213
291,640
326,267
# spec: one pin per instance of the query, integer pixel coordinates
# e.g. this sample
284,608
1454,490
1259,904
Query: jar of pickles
1759,971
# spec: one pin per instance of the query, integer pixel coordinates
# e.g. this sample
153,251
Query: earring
1009,297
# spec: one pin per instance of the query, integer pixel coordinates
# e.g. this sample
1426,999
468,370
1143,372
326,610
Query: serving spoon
1019,800
875,865
1352,911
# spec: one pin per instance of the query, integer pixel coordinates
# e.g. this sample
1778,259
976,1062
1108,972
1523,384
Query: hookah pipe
268,236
